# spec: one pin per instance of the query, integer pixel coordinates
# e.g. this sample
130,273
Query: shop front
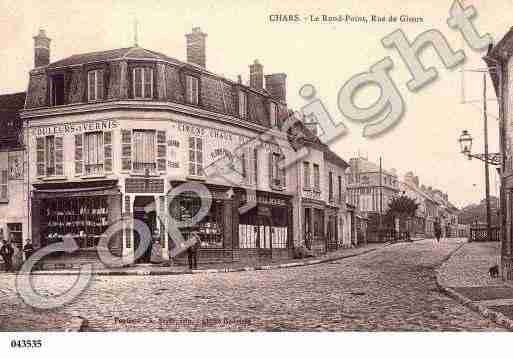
226,235
265,231
332,229
314,225
79,211
216,230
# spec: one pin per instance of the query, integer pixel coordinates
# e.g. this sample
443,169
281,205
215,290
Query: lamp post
495,159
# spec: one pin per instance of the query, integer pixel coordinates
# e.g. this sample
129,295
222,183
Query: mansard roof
134,52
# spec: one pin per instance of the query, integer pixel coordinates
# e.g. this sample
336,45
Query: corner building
111,133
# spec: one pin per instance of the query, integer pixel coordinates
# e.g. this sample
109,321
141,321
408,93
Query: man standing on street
7,252
438,230
193,251
28,249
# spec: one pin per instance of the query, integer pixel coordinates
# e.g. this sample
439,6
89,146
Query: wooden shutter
59,156
40,156
255,166
79,154
281,172
161,151
100,84
271,180
107,151
126,150
4,185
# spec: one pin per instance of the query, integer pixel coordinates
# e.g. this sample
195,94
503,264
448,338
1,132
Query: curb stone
147,272
486,312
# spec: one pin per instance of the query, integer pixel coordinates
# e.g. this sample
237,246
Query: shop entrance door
144,210
265,247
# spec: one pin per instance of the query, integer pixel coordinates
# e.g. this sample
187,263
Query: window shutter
4,192
59,156
148,82
137,78
126,150
161,151
40,156
91,75
271,180
79,154
255,165
107,151
282,172
99,84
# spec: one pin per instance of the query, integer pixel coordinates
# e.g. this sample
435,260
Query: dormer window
57,90
95,85
273,117
243,104
143,82
191,87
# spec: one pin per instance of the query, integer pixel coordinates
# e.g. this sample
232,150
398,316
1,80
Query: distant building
14,208
368,193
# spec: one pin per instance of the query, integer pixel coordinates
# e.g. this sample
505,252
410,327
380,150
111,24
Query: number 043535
26,343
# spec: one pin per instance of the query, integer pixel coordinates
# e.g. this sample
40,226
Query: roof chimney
41,49
196,47
275,84
256,75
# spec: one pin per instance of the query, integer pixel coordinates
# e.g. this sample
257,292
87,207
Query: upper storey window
243,104
57,90
142,82
192,90
95,85
273,110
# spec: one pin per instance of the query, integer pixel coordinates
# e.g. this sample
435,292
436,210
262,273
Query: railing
93,169
480,234
143,166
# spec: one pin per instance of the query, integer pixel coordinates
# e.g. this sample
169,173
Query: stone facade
112,134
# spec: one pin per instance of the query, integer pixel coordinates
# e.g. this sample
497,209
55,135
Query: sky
325,55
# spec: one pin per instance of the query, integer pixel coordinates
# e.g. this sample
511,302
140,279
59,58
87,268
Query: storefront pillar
164,223
128,225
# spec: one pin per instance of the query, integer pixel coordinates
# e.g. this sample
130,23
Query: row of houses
134,135
123,134
371,188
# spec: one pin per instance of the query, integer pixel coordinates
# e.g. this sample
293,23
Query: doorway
145,210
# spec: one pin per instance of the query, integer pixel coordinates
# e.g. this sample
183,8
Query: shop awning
75,192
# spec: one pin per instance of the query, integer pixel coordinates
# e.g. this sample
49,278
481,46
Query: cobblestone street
390,289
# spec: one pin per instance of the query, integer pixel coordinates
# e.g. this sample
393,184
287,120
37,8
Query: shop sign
144,185
262,199
73,128
264,211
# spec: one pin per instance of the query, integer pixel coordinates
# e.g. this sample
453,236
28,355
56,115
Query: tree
402,207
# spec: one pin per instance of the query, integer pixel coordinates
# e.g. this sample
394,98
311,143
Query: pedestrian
7,252
156,252
192,251
28,249
308,240
438,231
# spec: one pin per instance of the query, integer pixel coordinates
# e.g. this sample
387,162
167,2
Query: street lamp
495,159
465,140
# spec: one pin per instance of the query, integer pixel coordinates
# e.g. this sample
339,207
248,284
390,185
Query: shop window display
83,218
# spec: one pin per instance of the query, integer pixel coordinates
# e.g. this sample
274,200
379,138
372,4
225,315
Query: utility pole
486,165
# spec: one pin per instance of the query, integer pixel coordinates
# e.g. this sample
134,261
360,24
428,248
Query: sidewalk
465,277
147,269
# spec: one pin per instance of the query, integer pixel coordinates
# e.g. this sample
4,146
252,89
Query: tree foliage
402,207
